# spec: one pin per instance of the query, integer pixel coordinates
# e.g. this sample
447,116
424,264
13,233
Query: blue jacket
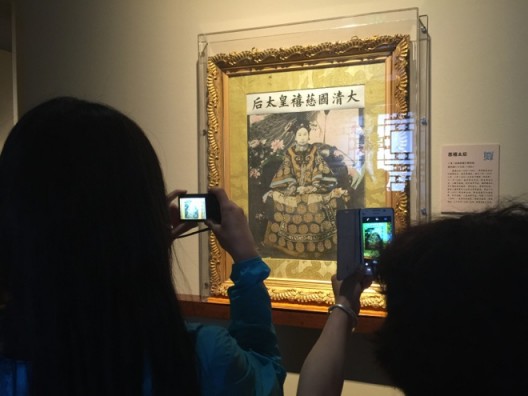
241,360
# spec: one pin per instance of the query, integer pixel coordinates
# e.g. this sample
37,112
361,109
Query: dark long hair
457,305
85,256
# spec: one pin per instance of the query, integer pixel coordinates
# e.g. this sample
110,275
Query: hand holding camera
222,216
233,232
177,226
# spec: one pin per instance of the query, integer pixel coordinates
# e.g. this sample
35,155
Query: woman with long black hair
85,263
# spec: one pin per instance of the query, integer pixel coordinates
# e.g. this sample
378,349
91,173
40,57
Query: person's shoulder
13,377
218,357
213,343
7,364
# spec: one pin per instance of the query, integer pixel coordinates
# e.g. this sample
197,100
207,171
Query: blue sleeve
244,359
250,308
14,380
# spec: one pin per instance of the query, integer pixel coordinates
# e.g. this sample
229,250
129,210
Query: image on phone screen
376,231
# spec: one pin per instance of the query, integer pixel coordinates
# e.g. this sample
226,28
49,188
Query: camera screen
376,233
193,208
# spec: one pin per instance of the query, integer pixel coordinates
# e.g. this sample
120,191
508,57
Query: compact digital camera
199,207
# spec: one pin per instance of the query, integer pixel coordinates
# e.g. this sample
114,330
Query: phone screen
376,232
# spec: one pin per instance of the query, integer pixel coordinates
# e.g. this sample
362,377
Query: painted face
301,136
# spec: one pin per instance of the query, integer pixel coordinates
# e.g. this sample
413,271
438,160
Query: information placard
470,177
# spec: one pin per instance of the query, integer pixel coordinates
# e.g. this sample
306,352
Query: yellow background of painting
373,76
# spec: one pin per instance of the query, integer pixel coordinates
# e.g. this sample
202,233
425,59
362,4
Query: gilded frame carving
381,65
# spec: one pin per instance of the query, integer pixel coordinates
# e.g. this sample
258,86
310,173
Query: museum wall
6,94
140,56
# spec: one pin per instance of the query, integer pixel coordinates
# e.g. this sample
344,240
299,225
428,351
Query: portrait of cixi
303,166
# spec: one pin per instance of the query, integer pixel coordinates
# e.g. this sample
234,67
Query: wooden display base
283,315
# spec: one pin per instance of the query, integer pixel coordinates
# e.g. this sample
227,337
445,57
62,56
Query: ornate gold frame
391,52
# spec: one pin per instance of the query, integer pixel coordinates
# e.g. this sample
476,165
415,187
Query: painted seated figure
304,194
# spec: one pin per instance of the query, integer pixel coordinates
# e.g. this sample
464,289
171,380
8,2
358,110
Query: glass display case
298,121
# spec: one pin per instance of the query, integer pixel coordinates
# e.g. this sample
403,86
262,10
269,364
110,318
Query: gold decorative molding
391,50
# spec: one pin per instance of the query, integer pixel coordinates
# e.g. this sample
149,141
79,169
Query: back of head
85,252
456,301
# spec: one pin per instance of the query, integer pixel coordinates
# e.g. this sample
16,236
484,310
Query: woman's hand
233,233
323,370
178,227
348,291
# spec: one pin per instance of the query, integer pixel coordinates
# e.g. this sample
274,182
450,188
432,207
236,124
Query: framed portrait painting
296,133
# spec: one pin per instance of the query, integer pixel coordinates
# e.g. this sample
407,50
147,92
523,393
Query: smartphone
361,235
348,242
377,230
199,207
